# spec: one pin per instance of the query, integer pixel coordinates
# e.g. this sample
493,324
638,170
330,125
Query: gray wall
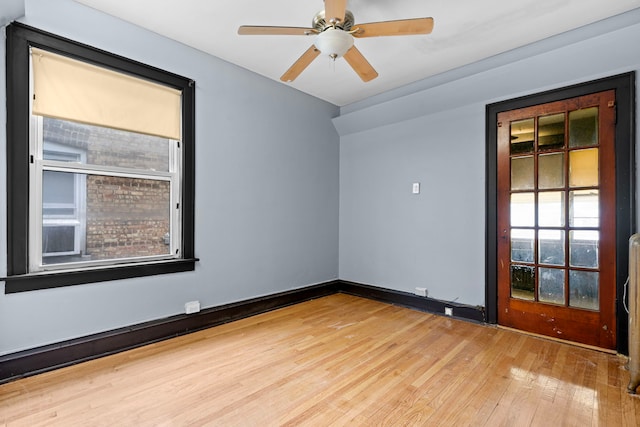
283,200
266,192
10,10
433,132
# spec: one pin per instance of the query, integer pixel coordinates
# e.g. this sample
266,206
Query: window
100,165
63,206
106,195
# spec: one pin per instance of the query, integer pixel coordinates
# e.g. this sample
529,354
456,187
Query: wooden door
556,219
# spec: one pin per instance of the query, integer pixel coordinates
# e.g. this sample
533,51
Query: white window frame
39,164
79,204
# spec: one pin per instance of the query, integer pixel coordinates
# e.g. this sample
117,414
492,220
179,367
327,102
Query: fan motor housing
320,22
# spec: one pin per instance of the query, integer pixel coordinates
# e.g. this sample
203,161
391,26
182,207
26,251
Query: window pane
58,188
551,247
523,210
551,286
523,282
100,146
584,288
522,242
58,240
583,248
584,208
119,217
127,217
583,168
551,171
551,209
583,127
522,136
551,132
522,173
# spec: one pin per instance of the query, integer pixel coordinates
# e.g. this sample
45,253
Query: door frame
624,85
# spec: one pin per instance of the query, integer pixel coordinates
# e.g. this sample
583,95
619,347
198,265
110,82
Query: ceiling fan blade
401,27
299,66
334,9
360,65
253,30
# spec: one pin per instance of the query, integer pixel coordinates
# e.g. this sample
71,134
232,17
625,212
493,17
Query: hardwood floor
337,360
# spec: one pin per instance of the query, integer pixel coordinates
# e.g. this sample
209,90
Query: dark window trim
19,38
624,85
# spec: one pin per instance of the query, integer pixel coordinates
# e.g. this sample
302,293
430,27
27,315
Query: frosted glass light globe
334,42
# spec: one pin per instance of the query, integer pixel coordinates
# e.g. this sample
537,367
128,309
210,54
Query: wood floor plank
337,360
490,385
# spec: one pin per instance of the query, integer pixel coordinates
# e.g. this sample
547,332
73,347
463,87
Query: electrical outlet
192,307
421,292
448,311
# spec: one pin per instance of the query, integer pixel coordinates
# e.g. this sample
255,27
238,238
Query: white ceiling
465,31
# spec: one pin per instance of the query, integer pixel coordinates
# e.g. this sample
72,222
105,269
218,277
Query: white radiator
634,313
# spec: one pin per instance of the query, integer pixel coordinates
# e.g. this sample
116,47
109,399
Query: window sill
48,280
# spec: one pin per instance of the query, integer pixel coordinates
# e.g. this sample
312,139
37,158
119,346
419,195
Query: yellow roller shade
68,89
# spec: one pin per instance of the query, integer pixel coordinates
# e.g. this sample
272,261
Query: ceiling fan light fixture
335,37
333,42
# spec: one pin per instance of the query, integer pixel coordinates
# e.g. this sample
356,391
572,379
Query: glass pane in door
583,248
523,209
583,127
551,247
522,136
551,209
551,132
584,208
551,285
583,168
584,289
522,173
551,171
522,244
523,282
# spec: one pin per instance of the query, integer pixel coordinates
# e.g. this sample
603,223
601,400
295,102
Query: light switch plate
416,188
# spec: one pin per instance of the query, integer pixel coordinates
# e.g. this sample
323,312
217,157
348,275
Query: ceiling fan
334,29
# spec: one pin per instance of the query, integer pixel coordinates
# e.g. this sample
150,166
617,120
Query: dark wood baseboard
46,358
406,299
